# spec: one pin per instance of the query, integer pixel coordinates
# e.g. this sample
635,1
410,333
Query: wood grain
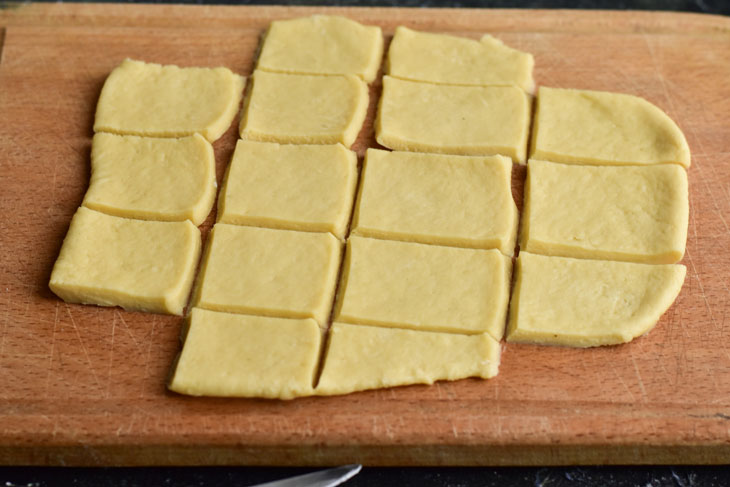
85,385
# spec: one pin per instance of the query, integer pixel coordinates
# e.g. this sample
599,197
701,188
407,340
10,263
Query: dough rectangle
424,287
363,357
441,58
586,303
269,272
233,355
629,213
322,44
441,199
150,99
135,264
294,187
304,109
150,178
448,119
604,128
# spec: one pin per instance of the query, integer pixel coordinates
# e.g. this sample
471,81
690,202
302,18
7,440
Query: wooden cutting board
85,385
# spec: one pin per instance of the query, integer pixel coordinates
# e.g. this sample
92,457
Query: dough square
424,287
150,99
369,357
269,272
152,178
440,58
439,199
586,303
234,355
599,127
322,44
468,120
135,264
628,213
294,187
305,109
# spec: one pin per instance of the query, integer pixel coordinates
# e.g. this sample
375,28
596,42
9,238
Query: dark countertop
638,476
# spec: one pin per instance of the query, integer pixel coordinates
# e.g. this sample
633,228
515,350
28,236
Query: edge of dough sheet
642,323
668,125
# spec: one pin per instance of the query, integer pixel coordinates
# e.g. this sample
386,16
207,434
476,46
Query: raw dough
630,213
368,357
296,187
597,127
269,272
301,109
322,44
441,199
246,356
586,303
135,264
470,120
167,101
152,178
439,58
424,287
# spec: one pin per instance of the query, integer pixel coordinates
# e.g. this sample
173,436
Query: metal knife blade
322,478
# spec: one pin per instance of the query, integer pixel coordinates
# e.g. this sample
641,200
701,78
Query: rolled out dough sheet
304,109
598,127
237,355
150,99
629,213
295,187
452,200
269,272
424,287
468,120
368,357
440,58
322,44
586,303
135,264
152,178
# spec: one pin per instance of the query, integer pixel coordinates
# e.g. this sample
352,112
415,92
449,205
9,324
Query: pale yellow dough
441,199
135,264
246,356
368,357
586,303
597,127
296,187
269,272
322,44
305,109
440,58
629,213
424,287
469,120
152,178
168,101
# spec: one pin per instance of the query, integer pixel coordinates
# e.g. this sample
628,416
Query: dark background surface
628,476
